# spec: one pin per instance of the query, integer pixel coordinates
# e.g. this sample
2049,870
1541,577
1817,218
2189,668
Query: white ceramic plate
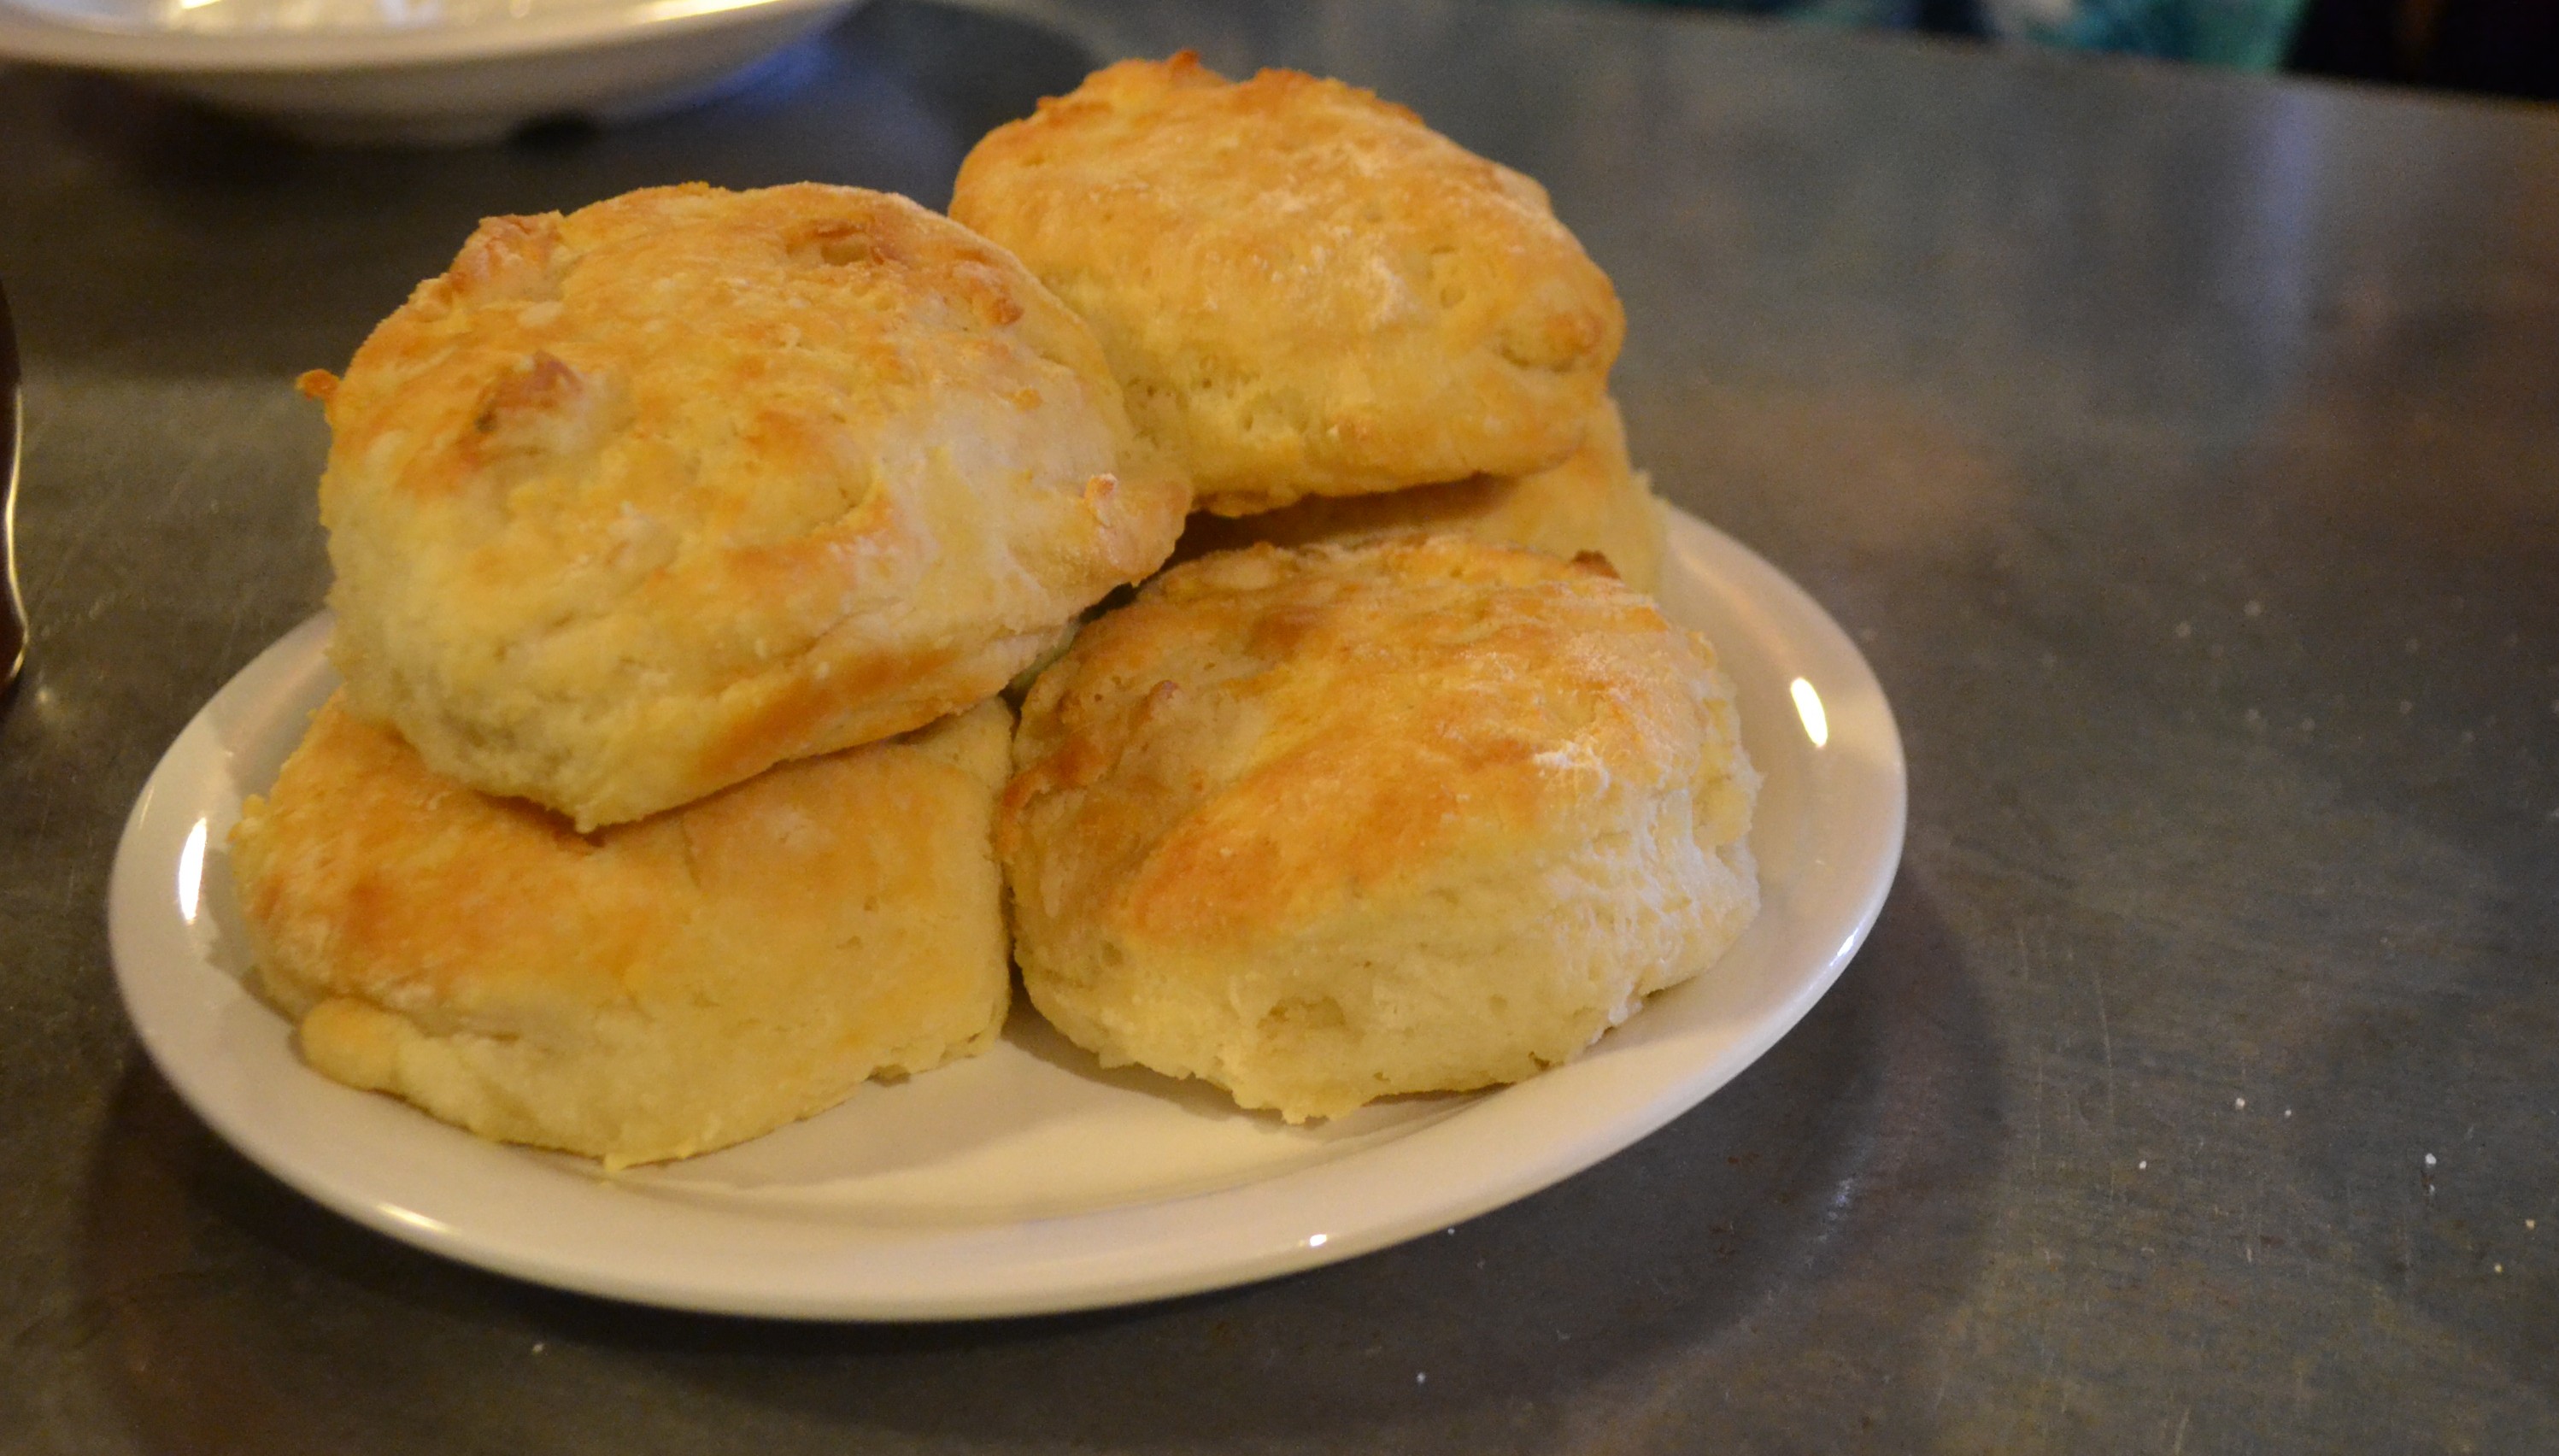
1028,1179
425,79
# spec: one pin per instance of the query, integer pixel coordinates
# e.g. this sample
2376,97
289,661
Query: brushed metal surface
2185,451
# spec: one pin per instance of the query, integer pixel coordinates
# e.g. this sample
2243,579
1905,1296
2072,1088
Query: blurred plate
435,72
1028,1179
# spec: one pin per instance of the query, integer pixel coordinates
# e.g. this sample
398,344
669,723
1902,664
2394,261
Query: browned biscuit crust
1328,824
1303,289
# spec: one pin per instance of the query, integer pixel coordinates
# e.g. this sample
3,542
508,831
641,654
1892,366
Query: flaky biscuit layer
1596,500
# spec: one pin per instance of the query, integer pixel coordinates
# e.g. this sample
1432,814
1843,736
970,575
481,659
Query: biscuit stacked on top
1312,297
634,504
682,545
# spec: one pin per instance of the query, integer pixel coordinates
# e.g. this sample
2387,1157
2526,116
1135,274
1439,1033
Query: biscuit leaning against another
1304,290
633,504
1324,825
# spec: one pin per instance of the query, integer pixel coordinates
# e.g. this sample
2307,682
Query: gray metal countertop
2182,449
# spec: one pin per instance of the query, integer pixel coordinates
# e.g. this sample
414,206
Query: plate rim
33,36
1086,1255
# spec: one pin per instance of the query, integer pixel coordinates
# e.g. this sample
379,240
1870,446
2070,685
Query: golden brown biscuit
1304,290
633,504
1328,824
1593,502
658,989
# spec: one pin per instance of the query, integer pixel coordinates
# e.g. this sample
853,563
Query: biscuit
658,989
1324,825
633,504
1303,289
1596,500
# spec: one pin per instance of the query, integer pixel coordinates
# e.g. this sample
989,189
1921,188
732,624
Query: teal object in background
2251,34
2254,35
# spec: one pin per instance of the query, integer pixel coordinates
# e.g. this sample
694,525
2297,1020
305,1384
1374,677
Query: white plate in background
1027,1180
422,72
